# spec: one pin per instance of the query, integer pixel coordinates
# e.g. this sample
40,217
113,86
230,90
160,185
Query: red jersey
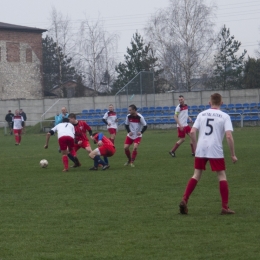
80,131
105,140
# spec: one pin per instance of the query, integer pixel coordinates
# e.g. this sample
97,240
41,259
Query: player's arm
193,136
176,117
105,121
100,136
231,145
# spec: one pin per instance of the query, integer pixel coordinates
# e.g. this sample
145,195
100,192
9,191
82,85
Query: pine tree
252,73
228,67
139,58
51,65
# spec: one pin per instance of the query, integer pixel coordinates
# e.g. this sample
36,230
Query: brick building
20,62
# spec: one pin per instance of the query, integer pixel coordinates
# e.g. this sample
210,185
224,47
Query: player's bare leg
176,146
191,146
112,138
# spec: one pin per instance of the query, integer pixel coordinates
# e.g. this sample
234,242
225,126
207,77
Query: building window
13,52
28,55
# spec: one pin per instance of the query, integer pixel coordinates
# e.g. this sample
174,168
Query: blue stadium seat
231,111
230,106
247,111
207,106
165,121
233,118
145,109
84,111
238,118
150,121
158,121
194,108
255,111
158,109
124,110
98,111
151,109
172,108
246,106
104,111
254,118
201,107
239,111
252,105
224,110
247,118
238,106
117,110
223,106
91,111
258,105
172,121
166,108
193,113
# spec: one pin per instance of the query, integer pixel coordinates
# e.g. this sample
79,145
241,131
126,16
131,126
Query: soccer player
66,134
110,119
81,139
17,125
181,117
135,125
105,148
213,125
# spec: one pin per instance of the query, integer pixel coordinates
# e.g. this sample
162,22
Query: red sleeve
87,127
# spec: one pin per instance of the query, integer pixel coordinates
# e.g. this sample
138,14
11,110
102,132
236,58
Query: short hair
110,105
72,115
181,96
65,120
133,107
216,99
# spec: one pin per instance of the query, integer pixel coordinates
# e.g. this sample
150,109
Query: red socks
65,161
134,153
189,189
223,188
17,139
175,147
127,152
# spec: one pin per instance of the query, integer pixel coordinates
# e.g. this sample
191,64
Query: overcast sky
124,17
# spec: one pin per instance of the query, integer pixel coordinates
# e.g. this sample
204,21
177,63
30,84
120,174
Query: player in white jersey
213,125
181,117
66,135
135,125
110,119
17,124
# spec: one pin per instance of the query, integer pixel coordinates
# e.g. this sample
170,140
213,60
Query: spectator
24,118
9,119
64,114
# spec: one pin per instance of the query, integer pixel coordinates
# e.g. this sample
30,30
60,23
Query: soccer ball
43,163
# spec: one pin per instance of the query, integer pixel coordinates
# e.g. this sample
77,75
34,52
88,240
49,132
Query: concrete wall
37,107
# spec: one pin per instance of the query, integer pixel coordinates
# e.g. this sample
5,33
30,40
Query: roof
13,27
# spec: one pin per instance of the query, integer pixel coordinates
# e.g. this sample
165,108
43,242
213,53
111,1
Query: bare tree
96,54
182,34
60,31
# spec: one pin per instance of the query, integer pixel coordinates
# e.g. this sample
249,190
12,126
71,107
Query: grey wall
36,108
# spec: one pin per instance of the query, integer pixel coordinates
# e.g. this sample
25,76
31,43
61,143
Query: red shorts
217,164
84,144
137,140
112,131
185,130
66,142
107,150
17,131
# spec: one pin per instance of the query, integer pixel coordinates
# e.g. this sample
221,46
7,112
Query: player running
213,125
110,119
181,117
66,134
135,125
105,148
81,139
17,125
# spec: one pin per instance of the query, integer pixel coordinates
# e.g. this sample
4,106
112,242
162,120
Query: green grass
126,213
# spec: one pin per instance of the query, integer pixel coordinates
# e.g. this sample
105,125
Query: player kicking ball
66,134
105,148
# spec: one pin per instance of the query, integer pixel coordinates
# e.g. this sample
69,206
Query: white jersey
212,125
136,124
111,118
64,129
18,122
182,112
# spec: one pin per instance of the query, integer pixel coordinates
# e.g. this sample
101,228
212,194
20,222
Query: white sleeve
105,116
197,123
54,129
143,122
177,110
228,124
126,120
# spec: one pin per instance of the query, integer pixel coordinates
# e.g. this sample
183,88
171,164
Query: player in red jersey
66,134
81,139
17,125
105,148
135,125
181,117
110,119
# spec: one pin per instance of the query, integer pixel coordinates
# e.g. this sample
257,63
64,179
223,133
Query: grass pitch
123,212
